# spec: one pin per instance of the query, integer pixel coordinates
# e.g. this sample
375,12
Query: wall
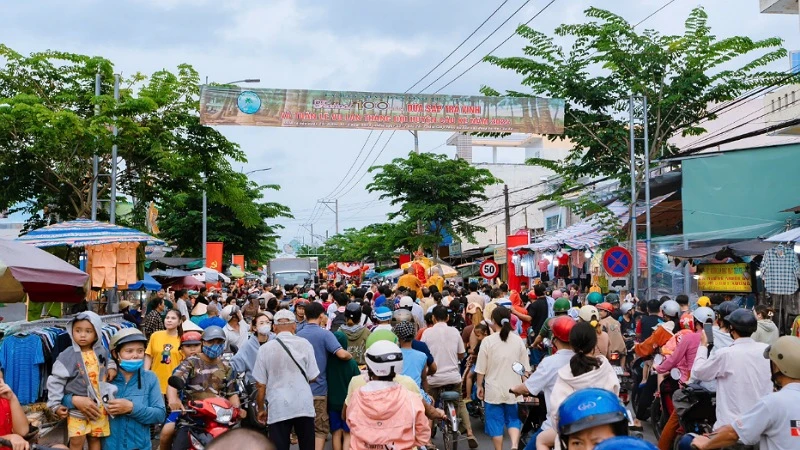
740,189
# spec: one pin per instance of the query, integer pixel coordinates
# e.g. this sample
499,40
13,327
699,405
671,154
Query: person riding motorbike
205,375
626,321
590,315
663,331
611,326
647,323
560,308
589,417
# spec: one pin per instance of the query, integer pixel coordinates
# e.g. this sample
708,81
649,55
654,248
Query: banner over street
220,105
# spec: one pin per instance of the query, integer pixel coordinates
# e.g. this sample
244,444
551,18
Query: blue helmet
589,408
625,443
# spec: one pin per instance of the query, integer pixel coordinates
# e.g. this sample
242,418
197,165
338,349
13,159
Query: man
380,299
205,375
474,297
772,422
427,300
356,333
384,317
284,368
201,298
436,279
300,313
538,312
722,339
741,372
546,374
683,301
213,318
410,282
235,327
324,344
408,303
646,324
153,321
448,350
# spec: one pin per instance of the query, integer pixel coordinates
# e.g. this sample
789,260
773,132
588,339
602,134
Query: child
339,375
77,383
481,331
191,344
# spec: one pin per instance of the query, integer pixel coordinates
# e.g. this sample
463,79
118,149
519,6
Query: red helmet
561,327
191,338
687,321
605,306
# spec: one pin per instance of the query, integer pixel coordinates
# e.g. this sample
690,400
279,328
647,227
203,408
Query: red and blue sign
617,261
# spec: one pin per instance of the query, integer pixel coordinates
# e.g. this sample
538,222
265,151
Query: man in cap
284,368
384,317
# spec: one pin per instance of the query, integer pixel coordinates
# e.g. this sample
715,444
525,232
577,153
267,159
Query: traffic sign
617,261
489,269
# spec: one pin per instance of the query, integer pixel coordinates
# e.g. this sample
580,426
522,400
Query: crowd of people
366,367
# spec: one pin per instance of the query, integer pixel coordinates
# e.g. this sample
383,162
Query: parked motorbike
204,419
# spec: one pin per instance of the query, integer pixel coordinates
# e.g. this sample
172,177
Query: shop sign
500,255
232,105
724,278
455,249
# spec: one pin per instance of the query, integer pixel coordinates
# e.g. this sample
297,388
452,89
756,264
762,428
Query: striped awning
83,232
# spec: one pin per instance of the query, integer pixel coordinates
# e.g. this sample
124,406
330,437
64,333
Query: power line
373,162
354,162
374,144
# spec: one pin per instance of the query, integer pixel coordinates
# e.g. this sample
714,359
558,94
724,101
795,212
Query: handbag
293,360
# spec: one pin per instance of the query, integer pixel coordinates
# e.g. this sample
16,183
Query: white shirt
419,316
182,308
742,374
445,344
234,338
722,339
288,394
545,376
769,423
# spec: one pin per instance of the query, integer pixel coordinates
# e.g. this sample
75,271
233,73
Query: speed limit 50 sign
489,269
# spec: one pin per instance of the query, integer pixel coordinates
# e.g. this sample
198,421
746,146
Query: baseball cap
473,307
383,313
406,302
191,338
284,316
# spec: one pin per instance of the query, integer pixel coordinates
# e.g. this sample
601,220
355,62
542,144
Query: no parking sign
617,261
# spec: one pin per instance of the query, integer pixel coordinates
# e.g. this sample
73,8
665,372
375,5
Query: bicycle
448,401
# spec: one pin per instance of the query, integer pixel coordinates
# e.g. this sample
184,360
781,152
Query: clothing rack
43,323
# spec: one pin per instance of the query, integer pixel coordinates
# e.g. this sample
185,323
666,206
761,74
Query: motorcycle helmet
561,327
589,314
588,408
384,358
703,314
785,354
213,332
626,307
402,315
126,336
380,335
724,309
687,321
594,298
353,312
704,301
561,305
670,308
191,338
612,298
605,306
743,321
557,294
574,313
625,443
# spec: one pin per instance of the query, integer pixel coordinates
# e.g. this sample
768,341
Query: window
552,222
773,105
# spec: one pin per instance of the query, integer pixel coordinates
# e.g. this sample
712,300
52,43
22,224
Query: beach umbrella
148,284
83,232
41,275
447,271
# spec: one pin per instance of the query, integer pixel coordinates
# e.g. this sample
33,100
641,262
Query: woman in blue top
138,402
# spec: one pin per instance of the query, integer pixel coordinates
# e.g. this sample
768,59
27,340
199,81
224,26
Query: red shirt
6,425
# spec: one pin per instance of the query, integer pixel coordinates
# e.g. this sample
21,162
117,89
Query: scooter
696,407
532,410
205,420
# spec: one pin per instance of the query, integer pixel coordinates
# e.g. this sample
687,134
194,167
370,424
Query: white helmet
384,358
589,314
670,308
626,307
704,314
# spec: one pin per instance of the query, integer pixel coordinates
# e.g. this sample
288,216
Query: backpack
337,321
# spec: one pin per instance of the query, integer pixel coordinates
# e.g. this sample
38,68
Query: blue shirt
132,431
423,347
414,362
380,300
20,357
216,320
324,342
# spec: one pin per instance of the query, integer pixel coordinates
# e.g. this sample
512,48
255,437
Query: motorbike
644,382
247,397
625,379
532,410
204,420
696,407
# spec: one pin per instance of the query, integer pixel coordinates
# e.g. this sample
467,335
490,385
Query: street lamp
246,80
258,170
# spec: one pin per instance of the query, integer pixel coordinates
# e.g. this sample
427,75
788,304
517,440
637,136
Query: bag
293,360
338,321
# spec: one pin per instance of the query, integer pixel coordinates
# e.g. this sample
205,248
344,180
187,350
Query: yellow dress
85,427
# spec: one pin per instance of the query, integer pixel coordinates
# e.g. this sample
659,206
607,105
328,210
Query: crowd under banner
222,105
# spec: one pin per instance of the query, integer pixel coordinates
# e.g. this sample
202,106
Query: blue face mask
131,365
213,351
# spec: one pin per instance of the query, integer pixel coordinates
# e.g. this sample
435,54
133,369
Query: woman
766,332
497,354
584,371
245,359
138,403
163,352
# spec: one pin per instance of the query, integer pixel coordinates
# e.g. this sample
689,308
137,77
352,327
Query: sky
377,45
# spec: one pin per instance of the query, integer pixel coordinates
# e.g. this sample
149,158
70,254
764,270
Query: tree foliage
52,124
373,243
439,192
681,76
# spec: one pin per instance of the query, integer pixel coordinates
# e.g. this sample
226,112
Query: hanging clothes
780,269
103,262
21,358
126,263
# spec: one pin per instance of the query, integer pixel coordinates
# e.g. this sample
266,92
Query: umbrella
236,272
44,277
170,273
447,271
187,282
148,284
83,232
209,275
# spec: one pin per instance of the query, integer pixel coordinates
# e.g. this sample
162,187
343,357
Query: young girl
77,383
481,330
138,403
163,355
191,344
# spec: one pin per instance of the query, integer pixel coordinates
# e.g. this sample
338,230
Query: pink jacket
683,356
383,414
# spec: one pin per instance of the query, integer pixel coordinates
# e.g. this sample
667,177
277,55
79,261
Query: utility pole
508,213
416,151
632,218
335,211
648,236
95,158
113,208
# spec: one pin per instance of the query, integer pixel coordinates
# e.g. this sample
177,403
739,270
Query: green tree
373,243
441,193
682,76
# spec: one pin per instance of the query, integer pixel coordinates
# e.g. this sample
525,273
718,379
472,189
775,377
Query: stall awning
84,232
744,248
587,233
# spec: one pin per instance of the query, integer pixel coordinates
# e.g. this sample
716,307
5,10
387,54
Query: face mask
213,351
264,329
131,365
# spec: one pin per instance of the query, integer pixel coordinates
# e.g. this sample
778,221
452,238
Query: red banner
214,255
238,260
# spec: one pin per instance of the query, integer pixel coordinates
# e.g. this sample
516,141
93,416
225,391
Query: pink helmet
557,294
